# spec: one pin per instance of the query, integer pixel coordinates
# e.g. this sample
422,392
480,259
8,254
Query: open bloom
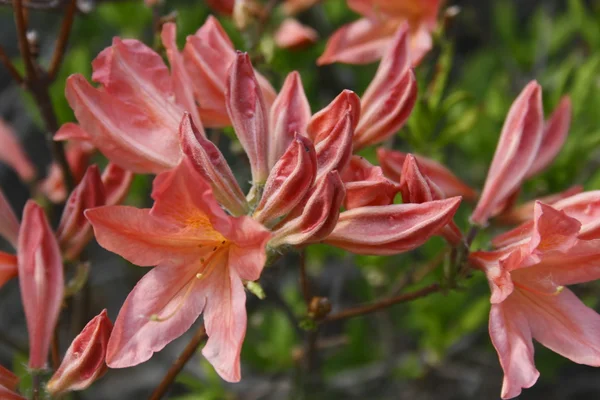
365,40
529,299
201,255
291,34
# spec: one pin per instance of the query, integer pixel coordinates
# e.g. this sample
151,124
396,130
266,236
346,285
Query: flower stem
382,304
178,365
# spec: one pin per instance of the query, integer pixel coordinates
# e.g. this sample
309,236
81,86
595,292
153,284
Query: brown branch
63,38
54,350
304,278
178,365
22,36
383,304
4,59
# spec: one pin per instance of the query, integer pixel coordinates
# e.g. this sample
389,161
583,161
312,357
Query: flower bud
314,219
322,123
391,96
392,162
74,231
288,182
290,114
293,35
41,281
210,163
117,182
418,188
334,148
248,113
366,185
516,152
84,361
393,229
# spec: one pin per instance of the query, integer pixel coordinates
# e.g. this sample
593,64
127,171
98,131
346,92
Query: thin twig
383,304
4,59
63,39
22,36
304,278
178,365
55,350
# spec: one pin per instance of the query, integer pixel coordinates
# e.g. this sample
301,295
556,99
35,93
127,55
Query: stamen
556,292
199,276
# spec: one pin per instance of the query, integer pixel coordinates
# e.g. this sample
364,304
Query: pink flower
12,154
392,162
516,152
41,280
416,187
291,34
84,361
366,40
390,97
529,300
201,256
392,229
366,185
207,56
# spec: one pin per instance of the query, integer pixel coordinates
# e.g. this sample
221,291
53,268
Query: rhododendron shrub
224,191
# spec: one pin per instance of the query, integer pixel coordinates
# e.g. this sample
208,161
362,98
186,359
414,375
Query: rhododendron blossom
365,40
529,298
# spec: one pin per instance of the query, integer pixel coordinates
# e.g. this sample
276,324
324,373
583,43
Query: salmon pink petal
208,55
366,185
524,212
291,34
335,149
555,133
290,115
117,182
360,42
585,207
12,154
512,338
74,231
248,113
9,224
41,280
160,308
289,180
517,149
564,324
7,394
209,162
322,123
182,83
125,133
418,188
225,322
314,219
553,229
8,267
393,229
71,131
389,99
8,379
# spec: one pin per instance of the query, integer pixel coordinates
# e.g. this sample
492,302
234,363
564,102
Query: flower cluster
208,235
